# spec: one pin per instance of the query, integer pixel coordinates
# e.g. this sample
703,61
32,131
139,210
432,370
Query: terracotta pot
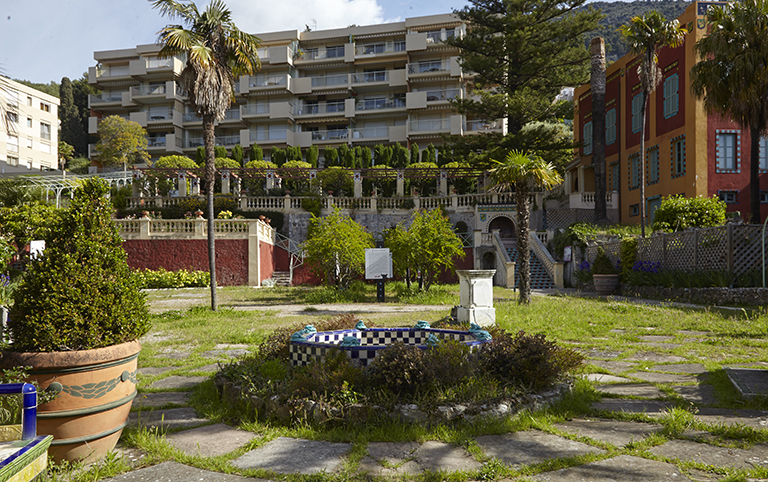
96,389
605,284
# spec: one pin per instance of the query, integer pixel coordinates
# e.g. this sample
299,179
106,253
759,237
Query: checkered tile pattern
371,342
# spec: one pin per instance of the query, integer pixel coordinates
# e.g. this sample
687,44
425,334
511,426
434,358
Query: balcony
333,53
268,136
268,81
443,95
254,110
379,104
226,141
370,77
475,126
105,98
156,142
437,125
231,115
370,133
148,90
428,67
328,108
330,135
188,117
380,48
330,81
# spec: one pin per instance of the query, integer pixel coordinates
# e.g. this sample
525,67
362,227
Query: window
726,152
29,122
637,114
13,161
29,143
29,101
764,153
373,49
399,45
12,144
728,197
610,127
13,117
634,171
310,53
587,139
615,176
653,165
45,106
45,131
678,156
671,97
335,51
764,197
634,210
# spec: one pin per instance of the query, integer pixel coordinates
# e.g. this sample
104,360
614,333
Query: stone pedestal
476,296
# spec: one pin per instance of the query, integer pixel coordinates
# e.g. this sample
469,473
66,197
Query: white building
31,141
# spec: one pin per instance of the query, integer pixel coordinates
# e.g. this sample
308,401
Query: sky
44,40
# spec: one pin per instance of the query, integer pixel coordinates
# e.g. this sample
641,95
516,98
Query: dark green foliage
237,154
399,156
80,294
72,131
278,156
382,155
365,157
414,158
331,155
312,205
313,154
330,376
293,153
51,88
531,361
429,154
162,279
276,344
602,264
221,151
256,153
677,213
401,369
81,89
346,156
200,156
628,256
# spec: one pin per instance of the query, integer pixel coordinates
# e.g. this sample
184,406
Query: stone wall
701,296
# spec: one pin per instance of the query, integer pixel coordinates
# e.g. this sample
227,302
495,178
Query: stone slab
599,353
174,472
432,455
707,454
225,353
390,459
211,368
531,447
175,355
152,371
698,394
690,368
624,468
649,407
614,432
175,381
168,418
210,440
612,365
643,390
650,356
154,400
693,333
654,377
603,378
655,338
750,382
664,346
231,346
727,416
285,455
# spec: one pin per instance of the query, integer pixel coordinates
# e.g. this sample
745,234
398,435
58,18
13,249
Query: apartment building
33,125
366,85
688,151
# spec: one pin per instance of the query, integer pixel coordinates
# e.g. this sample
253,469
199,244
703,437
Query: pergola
68,182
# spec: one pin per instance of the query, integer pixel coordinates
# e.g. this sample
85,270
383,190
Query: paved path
600,449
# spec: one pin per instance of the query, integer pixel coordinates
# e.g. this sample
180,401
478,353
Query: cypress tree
71,126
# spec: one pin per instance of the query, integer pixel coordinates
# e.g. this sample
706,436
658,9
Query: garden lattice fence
737,249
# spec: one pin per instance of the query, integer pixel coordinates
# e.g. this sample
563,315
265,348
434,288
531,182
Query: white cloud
263,17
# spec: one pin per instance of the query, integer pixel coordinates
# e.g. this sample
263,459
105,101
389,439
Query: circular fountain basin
372,341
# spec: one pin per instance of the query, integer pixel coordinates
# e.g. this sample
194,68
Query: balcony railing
256,109
445,94
275,135
332,53
268,80
148,90
377,104
191,117
368,77
380,48
156,141
329,80
426,67
232,114
160,63
104,97
327,108
328,135
481,125
160,116
431,125
370,132
118,71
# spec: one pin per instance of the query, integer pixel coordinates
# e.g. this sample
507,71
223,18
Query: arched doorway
489,261
505,226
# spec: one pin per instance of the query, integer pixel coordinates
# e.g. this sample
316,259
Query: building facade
367,85
33,124
687,151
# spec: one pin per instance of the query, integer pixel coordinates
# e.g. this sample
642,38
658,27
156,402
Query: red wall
266,261
191,254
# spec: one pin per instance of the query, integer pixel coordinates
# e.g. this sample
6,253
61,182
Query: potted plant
77,315
604,274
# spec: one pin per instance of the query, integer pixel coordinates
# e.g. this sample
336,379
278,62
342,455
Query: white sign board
378,263
567,253
36,248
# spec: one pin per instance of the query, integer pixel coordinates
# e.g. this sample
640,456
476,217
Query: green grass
182,323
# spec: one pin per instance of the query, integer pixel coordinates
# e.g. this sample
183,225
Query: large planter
96,389
605,284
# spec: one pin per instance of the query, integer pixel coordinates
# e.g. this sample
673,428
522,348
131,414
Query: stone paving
595,447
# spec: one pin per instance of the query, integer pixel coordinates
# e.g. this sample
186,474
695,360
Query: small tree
237,154
257,153
200,156
121,141
220,152
678,212
414,154
26,222
336,179
313,154
399,156
277,155
335,248
66,154
331,155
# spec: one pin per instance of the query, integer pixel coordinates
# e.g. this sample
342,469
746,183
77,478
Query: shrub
628,252
401,369
677,213
80,293
162,279
602,264
531,361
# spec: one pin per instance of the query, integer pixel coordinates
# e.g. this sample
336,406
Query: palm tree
645,35
732,75
217,54
521,171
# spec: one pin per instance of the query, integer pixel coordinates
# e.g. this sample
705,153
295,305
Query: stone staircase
281,278
540,278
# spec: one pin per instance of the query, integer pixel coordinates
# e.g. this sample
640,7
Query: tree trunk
523,250
644,111
210,178
754,175
598,127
